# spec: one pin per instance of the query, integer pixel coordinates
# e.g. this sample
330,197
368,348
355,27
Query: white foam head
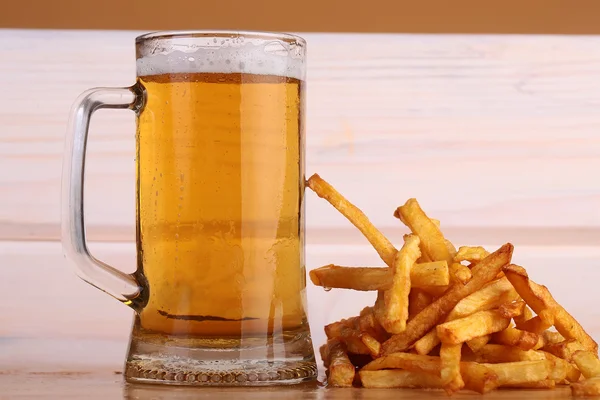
273,57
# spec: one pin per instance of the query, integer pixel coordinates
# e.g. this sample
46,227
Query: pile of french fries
449,319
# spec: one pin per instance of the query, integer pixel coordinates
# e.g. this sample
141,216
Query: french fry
588,387
520,372
517,338
472,254
376,278
498,353
559,368
490,296
460,272
450,357
478,377
407,361
477,343
588,363
397,378
367,323
341,370
479,324
527,315
391,308
424,345
433,242
483,272
382,245
573,373
539,299
512,309
417,301
536,324
349,336
565,349
371,344
552,337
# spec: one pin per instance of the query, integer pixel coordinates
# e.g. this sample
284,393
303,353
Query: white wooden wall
496,136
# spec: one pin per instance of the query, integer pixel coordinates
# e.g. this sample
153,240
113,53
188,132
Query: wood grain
486,131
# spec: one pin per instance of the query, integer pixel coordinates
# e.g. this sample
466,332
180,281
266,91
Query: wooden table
497,136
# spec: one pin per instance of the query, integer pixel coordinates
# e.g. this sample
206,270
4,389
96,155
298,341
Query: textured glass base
282,360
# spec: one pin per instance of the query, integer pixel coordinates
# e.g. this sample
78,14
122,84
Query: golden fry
341,371
552,337
565,349
382,245
407,361
514,337
479,324
536,324
498,353
588,363
545,384
477,343
433,242
450,358
559,368
460,272
516,373
539,299
483,272
397,378
343,331
377,278
391,308
527,315
424,345
471,254
371,343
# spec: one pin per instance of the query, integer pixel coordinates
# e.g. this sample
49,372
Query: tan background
426,16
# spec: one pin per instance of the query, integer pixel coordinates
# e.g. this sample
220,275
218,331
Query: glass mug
219,291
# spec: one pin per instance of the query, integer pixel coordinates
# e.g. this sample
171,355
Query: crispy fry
536,324
517,373
498,353
588,387
408,361
417,301
539,299
382,245
512,309
470,254
479,324
559,368
371,343
565,349
527,315
367,323
517,338
573,373
424,345
478,377
460,272
349,336
377,278
552,337
477,343
433,242
397,378
483,272
450,358
341,370
588,363
391,308
490,296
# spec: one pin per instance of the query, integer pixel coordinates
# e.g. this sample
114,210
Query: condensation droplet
327,289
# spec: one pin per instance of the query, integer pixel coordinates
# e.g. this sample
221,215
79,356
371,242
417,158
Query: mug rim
175,34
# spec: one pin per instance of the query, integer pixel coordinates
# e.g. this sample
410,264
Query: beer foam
266,59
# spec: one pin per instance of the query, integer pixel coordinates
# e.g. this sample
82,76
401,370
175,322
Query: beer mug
219,290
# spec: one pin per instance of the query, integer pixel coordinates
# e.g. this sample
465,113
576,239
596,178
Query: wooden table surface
496,136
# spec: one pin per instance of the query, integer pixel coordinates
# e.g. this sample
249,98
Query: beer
220,204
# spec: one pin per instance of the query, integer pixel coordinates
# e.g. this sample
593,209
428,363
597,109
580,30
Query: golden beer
220,185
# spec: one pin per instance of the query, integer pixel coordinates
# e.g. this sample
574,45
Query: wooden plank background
497,136
423,16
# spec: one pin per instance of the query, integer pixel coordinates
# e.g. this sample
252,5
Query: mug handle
124,287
